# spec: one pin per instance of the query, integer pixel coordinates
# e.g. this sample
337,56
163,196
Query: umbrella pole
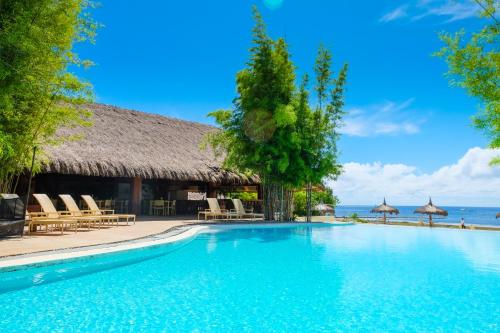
430,220
385,218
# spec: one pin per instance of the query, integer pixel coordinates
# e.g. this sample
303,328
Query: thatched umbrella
385,209
430,210
498,215
324,208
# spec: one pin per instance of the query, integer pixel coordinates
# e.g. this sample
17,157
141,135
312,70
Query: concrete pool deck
40,241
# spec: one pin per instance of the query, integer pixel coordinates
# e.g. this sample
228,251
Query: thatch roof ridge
130,143
148,115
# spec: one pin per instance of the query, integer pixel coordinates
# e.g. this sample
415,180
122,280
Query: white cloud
395,14
388,118
452,10
469,181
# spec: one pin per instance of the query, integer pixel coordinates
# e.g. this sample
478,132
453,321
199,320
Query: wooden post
211,192
136,195
259,192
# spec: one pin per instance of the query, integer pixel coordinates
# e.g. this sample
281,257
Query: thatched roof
127,143
385,209
430,209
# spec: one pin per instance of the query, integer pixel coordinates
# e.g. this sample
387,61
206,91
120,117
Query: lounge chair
49,216
49,212
75,211
92,205
241,212
215,211
34,219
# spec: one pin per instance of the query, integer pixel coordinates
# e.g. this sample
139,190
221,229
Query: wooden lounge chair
49,216
215,211
73,208
241,212
92,205
34,219
49,212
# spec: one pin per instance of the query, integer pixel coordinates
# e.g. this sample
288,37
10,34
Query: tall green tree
320,132
474,64
258,134
38,93
273,131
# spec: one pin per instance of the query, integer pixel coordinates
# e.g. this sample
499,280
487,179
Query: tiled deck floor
42,241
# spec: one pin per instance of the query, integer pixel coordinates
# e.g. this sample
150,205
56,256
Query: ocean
471,215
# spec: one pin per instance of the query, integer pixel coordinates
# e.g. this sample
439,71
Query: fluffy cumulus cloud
448,10
387,118
470,181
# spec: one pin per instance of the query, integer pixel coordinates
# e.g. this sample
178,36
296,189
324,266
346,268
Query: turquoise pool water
359,278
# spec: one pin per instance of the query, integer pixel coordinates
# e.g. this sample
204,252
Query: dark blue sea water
472,215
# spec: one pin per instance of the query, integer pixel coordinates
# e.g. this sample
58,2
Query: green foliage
245,196
355,217
273,130
38,94
317,197
474,64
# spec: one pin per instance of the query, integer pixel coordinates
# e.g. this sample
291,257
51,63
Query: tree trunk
288,209
277,202
308,202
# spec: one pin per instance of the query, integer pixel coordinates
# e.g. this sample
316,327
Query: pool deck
41,241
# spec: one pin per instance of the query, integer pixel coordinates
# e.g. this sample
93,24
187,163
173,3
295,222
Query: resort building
133,158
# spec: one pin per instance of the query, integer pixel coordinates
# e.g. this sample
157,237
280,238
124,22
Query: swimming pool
292,278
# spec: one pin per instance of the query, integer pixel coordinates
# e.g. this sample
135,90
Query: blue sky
179,58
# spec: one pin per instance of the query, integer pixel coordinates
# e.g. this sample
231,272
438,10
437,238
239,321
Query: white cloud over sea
470,181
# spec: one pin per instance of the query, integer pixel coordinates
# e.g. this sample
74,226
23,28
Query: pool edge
78,253
24,261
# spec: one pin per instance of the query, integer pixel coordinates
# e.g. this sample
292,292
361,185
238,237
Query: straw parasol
430,210
385,209
324,208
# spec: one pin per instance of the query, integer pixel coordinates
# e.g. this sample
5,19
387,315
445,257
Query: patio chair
91,204
215,211
51,212
50,216
159,207
73,208
242,212
172,210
